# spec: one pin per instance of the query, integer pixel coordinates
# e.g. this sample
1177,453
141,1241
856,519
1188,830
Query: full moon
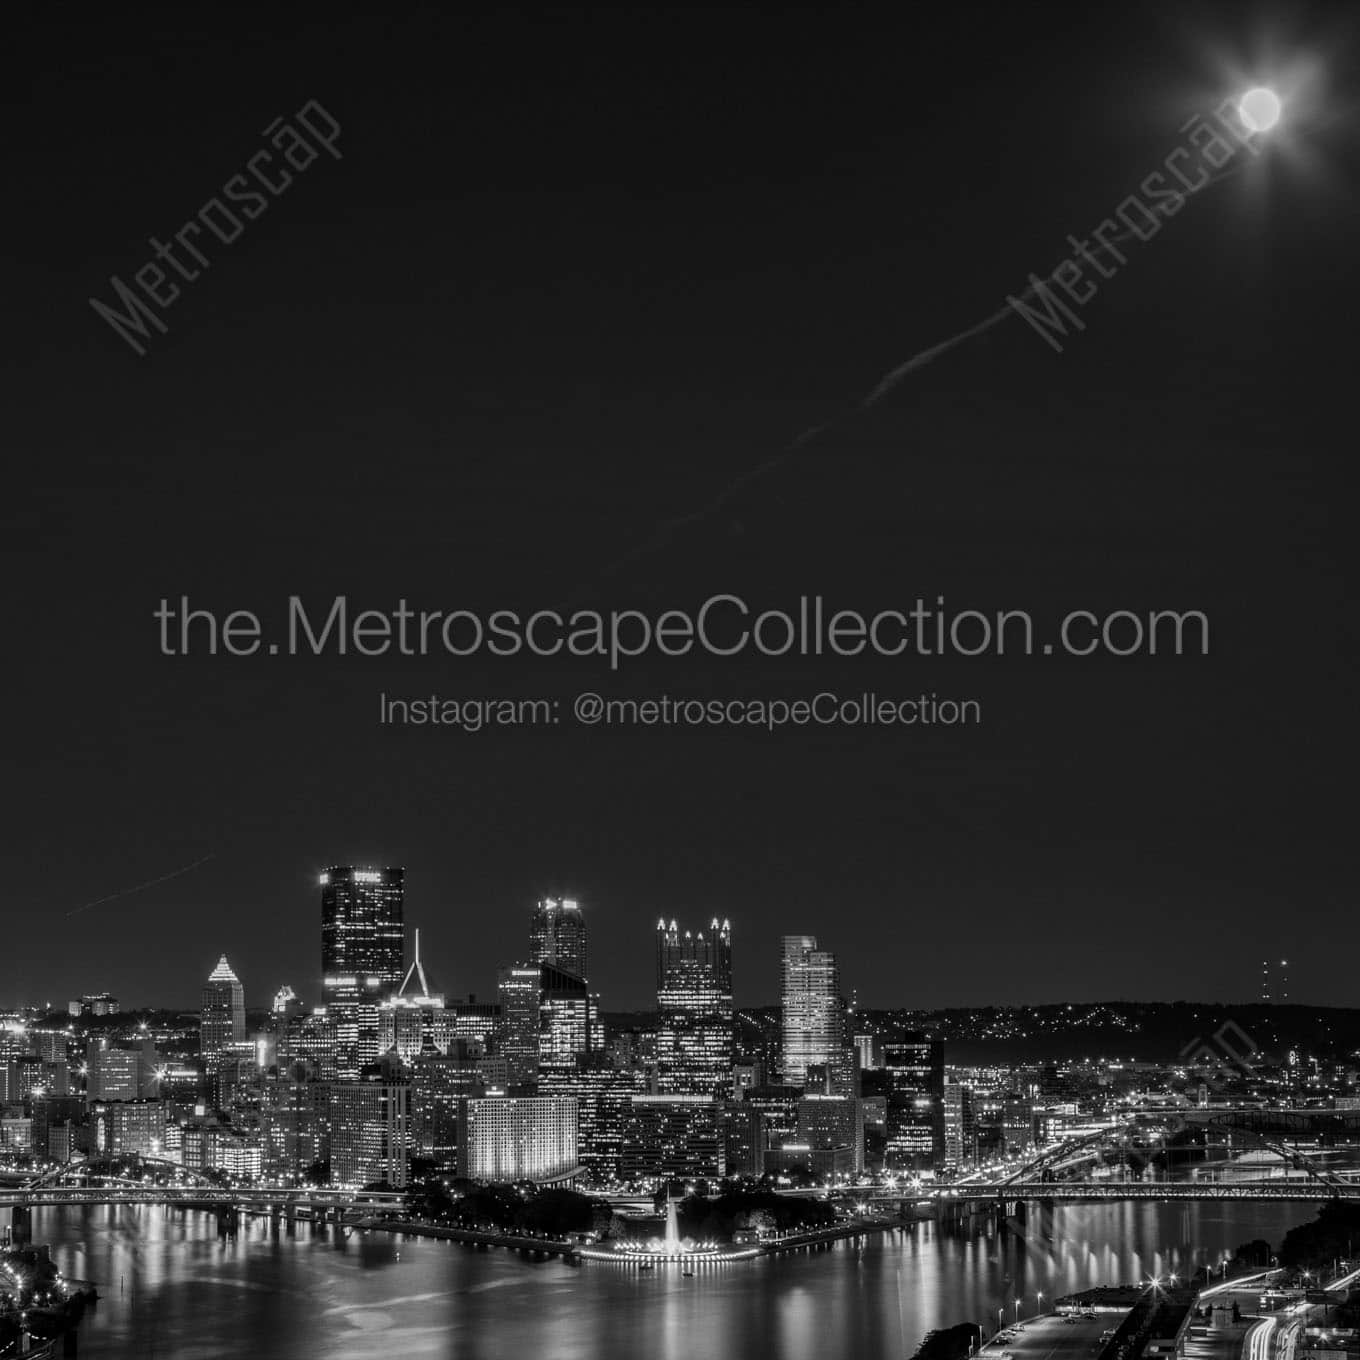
1259,109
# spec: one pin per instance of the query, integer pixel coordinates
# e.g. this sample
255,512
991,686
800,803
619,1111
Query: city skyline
405,969
636,995
389,1076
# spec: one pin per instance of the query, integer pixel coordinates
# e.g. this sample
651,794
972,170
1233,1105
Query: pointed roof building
415,987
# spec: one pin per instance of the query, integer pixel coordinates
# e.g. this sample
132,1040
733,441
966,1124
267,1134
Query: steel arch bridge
1075,1192
105,1181
260,1197
1071,1152
1322,1124
105,1169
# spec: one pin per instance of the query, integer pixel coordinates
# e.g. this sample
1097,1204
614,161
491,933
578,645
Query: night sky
573,275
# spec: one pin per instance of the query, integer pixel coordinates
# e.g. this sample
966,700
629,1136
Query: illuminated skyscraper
295,1128
833,1123
286,1004
363,945
558,935
566,1019
438,1082
602,1092
694,1010
415,988
813,1014
370,1133
960,1136
307,1048
406,1019
362,955
914,1066
118,1072
223,1017
517,1035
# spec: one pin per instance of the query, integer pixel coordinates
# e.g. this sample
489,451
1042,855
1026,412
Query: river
171,1288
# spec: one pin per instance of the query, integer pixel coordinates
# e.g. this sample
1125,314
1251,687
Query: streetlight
1041,1302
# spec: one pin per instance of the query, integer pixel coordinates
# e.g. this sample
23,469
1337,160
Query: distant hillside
1142,1030
1147,1030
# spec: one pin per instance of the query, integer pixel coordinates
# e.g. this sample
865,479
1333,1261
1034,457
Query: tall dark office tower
564,1010
694,1010
557,935
363,944
362,956
517,1034
222,1020
913,1066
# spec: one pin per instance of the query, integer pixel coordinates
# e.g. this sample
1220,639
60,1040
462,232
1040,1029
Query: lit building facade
48,1044
51,1112
118,1072
960,1128
286,1003
744,1139
813,1013
295,1129
370,1133
517,1038
868,1051
914,1070
131,1128
603,1095
470,1019
239,1155
101,1003
694,1010
25,1076
438,1082
222,1021
557,935
1017,1124
829,1122
307,1048
673,1137
405,1029
362,955
363,946
778,1106
518,1138
564,1018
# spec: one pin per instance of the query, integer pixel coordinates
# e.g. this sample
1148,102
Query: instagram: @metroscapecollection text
591,709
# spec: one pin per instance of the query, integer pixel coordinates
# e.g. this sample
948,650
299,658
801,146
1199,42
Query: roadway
1280,1335
1276,1189
1052,1337
1345,1282
265,1197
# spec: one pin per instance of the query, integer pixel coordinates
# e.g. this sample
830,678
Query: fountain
672,1245
671,1248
